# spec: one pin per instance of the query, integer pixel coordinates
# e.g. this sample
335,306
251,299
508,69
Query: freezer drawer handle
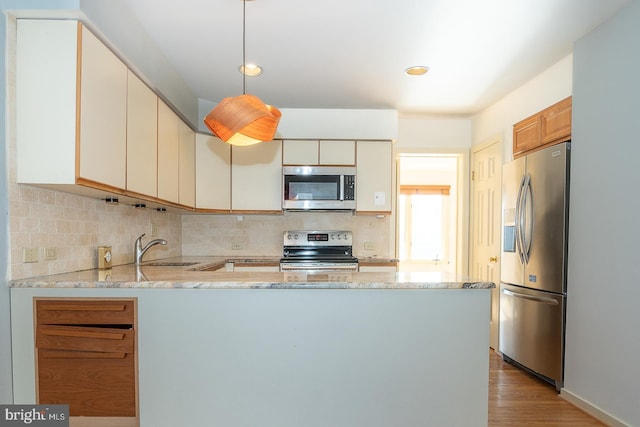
530,297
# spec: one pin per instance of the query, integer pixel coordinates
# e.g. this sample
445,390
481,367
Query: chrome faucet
140,251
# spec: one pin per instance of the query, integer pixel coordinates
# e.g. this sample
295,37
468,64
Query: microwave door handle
341,188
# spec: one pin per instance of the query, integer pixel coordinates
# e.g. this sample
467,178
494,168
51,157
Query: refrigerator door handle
518,221
527,210
543,300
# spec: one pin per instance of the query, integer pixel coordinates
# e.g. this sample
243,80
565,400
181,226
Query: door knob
493,259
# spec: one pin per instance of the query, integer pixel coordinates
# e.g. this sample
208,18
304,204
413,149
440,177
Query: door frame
462,205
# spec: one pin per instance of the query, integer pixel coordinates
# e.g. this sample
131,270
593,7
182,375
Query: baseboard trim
591,409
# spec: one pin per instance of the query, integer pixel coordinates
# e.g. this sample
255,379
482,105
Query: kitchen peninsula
286,349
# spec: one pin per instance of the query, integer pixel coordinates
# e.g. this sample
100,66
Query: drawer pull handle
81,355
83,307
84,334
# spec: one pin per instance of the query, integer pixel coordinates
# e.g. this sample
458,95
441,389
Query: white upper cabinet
168,153
324,152
374,177
213,173
103,114
187,166
71,107
337,153
256,177
142,138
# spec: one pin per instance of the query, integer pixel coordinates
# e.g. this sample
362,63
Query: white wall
603,338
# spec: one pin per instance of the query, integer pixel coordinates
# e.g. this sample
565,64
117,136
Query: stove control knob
295,236
289,236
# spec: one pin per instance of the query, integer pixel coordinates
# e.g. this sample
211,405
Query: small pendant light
244,119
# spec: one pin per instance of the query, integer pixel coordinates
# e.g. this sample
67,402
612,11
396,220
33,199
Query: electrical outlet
30,255
153,229
49,254
236,246
369,246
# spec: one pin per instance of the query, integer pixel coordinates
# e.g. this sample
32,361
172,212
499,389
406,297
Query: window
424,214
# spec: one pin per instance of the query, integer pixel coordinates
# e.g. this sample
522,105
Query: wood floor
517,398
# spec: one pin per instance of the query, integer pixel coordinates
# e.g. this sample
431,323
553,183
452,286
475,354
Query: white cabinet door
312,152
374,176
299,152
58,140
46,84
213,173
186,166
142,138
337,153
256,177
103,114
168,153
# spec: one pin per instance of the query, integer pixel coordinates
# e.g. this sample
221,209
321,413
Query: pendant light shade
243,120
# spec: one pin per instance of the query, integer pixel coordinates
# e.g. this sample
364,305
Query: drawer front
85,338
87,312
93,384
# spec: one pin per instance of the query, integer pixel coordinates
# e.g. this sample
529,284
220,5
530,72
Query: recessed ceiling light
418,70
251,70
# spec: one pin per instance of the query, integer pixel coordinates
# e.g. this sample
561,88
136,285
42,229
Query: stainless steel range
318,251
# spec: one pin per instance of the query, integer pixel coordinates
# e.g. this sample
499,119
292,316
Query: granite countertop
201,273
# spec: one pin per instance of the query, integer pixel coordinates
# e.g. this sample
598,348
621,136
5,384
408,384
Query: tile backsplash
261,235
76,225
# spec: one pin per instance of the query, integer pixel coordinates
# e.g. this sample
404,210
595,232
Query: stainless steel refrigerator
533,278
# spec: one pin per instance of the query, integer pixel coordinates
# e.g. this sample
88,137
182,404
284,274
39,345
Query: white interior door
485,224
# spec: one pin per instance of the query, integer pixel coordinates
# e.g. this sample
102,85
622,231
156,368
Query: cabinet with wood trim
374,177
142,138
176,159
550,126
86,356
71,107
318,152
256,178
213,174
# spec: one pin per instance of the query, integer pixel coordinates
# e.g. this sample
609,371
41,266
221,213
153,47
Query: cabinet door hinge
473,175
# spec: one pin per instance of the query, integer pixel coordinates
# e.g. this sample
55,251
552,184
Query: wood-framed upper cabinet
318,152
142,138
256,178
213,174
555,122
374,178
71,107
547,127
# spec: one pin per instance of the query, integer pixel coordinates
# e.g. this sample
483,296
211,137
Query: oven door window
316,187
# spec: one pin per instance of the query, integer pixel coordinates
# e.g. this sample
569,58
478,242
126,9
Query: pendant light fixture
243,119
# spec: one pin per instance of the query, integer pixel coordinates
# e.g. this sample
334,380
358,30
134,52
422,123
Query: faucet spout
140,251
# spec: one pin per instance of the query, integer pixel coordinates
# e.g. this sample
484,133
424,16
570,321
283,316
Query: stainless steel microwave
319,187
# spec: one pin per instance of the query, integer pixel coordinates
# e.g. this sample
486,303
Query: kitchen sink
169,264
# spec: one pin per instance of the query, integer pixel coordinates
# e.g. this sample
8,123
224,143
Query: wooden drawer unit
86,355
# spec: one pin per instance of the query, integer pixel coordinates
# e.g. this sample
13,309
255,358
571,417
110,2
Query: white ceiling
353,53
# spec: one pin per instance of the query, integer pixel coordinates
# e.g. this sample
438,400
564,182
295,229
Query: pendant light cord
244,37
